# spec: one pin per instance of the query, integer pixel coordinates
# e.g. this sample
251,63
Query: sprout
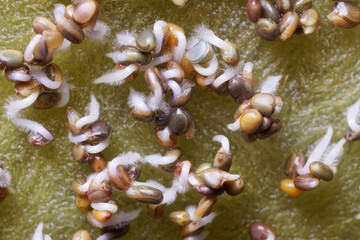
126,38
182,183
117,56
169,194
28,53
179,50
224,142
124,159
175,88
228,74
204,33
38,235
210,69
200,222
43,79
85,186
117,77
271,84
156,160
154,100
164,134
136,100
171,73
99,32
159,35
92,149
234,126
332,158
64,90
19,76
109,206
317,152
93,113
156,61
352,116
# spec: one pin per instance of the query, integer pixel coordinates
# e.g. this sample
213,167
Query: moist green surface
321,77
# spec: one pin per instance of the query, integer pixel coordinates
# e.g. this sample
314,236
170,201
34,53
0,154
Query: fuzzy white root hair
99,32
154,99
229,73
5,178
126,38
117,56
14,106
234,126
182,183
352,116
38,235
157,160
210,69
317,152
191,41
224,142
137,100
179,50
156,61
271,84
29,50
203,32
59,12
93,113
164,134
117,77
159,35
333,157
43,79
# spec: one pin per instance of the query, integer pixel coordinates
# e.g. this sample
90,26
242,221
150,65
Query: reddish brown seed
165,143
83,203
121,179
155,211
80,154
172,40
260,231
235,187
98,163
306,183
179,168
254,10
86,13
123,65
205,206
295,161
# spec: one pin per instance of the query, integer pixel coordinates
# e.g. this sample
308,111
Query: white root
224,142
93,115
117,77
208,70
352,116
228,74
99,32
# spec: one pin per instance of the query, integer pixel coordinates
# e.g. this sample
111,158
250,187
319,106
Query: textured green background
321,78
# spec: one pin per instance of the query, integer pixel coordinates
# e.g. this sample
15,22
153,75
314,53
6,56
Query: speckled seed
72,117
4,192
249,138
134,171
270,10
181,3
254,10
201,53
38,140
180,101
301,5
75,185
145,194
154,80
98,131
288,187
223,160
283,5
71,30
231,54
260,231
351,136
306,183
121,180
241,88
275,127
80,154
244,106
264,103
235,187
179,167
180,218
82,235
179,121
135,55
41,24
10,73
46,100
86,13
192,229
205,207
309,21
250,120
288,24
146,41
178,153
97,163
83,203
101,215
295,161
53,38
99,192
345,14
123,65
321,170
69,11
267,29
11,58
155,211
165,144
172,40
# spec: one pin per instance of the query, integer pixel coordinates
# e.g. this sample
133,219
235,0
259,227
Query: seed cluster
282,18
